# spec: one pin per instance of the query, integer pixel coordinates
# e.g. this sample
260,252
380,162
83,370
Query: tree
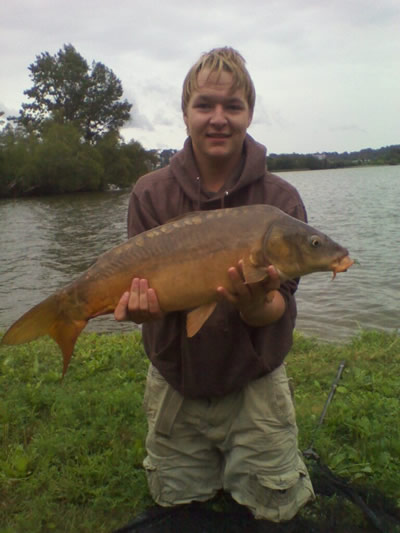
124,163
58,162
16,149
66,90
61,163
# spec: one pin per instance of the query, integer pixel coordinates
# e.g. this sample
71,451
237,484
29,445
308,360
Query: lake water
46,242
360,208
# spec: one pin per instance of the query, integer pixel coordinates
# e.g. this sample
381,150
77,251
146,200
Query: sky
327,73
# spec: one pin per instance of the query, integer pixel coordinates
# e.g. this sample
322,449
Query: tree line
66,138
387,155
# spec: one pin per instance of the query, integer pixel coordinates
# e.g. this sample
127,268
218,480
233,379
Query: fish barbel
185,261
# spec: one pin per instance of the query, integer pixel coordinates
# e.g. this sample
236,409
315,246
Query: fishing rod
341,484
310,452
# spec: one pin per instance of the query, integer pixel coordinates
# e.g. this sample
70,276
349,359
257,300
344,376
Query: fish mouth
341,265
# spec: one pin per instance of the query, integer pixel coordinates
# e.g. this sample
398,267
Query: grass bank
71,452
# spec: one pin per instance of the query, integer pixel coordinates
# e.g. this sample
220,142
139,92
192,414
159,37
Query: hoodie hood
183,167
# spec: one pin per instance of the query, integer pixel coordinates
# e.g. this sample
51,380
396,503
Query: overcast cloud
327,74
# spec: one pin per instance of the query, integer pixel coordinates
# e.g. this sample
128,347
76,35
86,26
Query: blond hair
218,60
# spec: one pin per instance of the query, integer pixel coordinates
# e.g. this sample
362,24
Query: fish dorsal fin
196,318
253,272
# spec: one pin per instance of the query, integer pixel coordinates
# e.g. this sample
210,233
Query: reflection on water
46,242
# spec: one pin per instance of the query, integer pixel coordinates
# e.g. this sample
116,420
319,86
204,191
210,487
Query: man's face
217,118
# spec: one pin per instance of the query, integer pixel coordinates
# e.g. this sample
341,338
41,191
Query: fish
184,260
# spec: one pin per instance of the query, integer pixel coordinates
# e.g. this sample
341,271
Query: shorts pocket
279,498
168,485
161,484
153,480
154,392
269,398
282,396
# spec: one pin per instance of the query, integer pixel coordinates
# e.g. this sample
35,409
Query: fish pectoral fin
196,318
253,273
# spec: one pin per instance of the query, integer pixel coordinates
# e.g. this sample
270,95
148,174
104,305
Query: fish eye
315,241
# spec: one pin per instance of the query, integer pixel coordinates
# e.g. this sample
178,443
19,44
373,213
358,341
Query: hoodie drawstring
223,199
198,198
198,206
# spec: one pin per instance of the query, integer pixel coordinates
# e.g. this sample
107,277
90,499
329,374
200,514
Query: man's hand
259,303
139,305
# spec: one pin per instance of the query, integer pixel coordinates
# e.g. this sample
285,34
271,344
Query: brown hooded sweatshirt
226,353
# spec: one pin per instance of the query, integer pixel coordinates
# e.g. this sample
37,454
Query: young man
219,409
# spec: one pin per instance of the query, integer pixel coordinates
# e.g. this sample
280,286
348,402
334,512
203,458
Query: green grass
71,452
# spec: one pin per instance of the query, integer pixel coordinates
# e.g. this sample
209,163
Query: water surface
46,242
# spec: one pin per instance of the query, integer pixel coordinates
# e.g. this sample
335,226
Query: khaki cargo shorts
244,443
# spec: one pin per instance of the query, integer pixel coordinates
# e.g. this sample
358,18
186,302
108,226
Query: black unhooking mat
198,518
381,514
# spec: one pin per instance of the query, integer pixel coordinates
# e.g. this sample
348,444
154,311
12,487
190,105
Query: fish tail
47,318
